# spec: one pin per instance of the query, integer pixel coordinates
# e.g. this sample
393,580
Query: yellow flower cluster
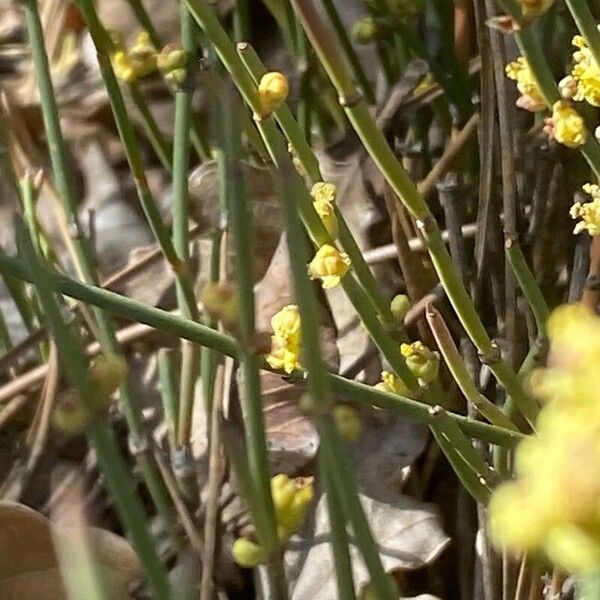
423,363
531,97
588,212
586,73
291,498
285,341
329,265
136,62
324,195
568,126
554,505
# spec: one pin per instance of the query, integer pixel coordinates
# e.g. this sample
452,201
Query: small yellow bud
422,362
567,87
70,415
107,372
347,422
399,306
283,490
247,553
324,197
273,90
220,301
329,265
172,63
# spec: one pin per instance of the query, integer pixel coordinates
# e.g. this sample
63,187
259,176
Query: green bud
399,306
70,415
247,553
348,423
366,30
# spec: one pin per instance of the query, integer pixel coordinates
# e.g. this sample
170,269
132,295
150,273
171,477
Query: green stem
334,456
205,336
377,146
61,169
528,284
469,466
587,25
181,160
168,392
241,221
155,136
141,14
132,151
310,163
348,48
460,374
339,538
119,481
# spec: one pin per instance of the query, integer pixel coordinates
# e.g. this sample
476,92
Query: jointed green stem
155,135
61,169
120,483
377,146
177,326
333,456
309,162
241,221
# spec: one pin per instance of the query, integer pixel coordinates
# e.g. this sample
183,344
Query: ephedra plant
473,126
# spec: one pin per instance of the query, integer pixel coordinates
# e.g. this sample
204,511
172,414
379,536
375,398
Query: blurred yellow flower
392,384
137,62
329,265
554,504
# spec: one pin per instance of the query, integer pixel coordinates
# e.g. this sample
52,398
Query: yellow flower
588,212
585,73
138,61
329,265
392,384
422,362
568,127
272,92
531,97
324,197
291,498
554,504
285,342
286,322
